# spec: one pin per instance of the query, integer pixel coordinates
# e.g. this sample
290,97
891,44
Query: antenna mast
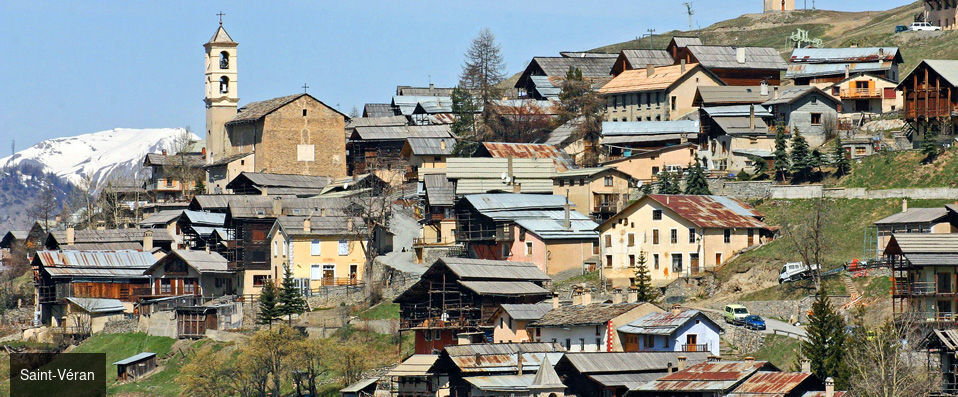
688,6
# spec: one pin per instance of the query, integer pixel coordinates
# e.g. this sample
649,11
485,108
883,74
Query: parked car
916,26
735,314
901,28
753,321
796,271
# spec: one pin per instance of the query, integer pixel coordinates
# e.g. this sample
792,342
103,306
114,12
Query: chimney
829,387
881,52
307,224
764,88
148,241
676,309
740,54
567,223
806,365
264,191
751,117
71,235
576,300
203,151
431,87
519,361
670,367
750,359
713,359
555,302
207,248
904,205
442,144
682,360
682,66
164,152
322,212
847,70
277,206
349,224
586,298
649,70
617,298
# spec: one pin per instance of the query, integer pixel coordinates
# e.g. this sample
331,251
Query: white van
795,271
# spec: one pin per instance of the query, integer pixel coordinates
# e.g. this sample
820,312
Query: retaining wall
753,190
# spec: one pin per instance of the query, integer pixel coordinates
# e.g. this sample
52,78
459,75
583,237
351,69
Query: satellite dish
504,176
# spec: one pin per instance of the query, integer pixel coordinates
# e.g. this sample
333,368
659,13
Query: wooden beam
926,92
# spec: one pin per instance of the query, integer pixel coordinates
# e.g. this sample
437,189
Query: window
224,85
816,119
655,261
315,248
595,248
561,182
648,341
631,237
631,260
165,286
677,263
528,248
608,181
568,343
608,261
304,112
655,171
315,272
658,117
285,246
673,102
224,60
275,248
656,214
814,100
691,235
674,236
343,247
860,150
598,344
608,241
259,280
189,286
581,344
665,341
655,236
728,236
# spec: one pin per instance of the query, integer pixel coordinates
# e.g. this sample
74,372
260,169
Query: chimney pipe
847,71
682,360
519,361
676,309
806,365
164,152
71,235
567,224
829,387
749,359
278,206
586,298
555,302
148,241
764,88
740,54
682,66
442,144
670,367
307,224
264,191
904,205
207,248
349,224
649,70
713,359
751,117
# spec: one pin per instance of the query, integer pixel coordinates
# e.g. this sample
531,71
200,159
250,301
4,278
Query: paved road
771,325
405,228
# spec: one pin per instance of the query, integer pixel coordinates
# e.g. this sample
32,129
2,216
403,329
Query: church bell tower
221,91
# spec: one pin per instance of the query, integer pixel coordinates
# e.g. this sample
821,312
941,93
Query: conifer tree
695,182
839,160
643,281
582,106
759,166
816,160
929,147
668,184
825,346
267,304
290,298
800,158
781,164
464,110
646,188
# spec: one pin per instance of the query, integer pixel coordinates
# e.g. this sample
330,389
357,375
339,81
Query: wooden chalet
377,149
455,298
185,272
930,93
193,321
88,274
16,242
165,184
733,65
201,229
110,240
544,74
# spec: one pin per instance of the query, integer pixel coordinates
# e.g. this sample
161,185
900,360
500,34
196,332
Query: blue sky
69,68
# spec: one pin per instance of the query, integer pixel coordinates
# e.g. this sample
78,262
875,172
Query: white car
916,26
793,271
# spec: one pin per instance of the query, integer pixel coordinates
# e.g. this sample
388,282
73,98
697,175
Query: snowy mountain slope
97,155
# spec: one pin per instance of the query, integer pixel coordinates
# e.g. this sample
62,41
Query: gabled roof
702,211
805,70
559,66
400,133
915,215
406,104
228,159
725,57
715,376
663,323
420,146
504,288
583,315
845,55
92,236
376,110
546,377
254,111
561,134
161,218
946,68
591,172
262,206
731,94
651,153
526,311
205,218
684,41
99,264
159,159
359,385
377,121
545,87
335,224
527,151
261,179
642,58
772,384
617,128
134,358
431,90
98,305
637,80
501,357
794,93
923,243
742,125
439,191
415,365
486,269
481,175
201,261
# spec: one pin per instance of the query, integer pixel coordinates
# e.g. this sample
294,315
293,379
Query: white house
676,330
587,328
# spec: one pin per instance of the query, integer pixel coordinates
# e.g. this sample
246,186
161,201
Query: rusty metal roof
663,323
822,394
502,357
844,55
716,376
583,315
115,264
530,151
710,211
767,383
624,362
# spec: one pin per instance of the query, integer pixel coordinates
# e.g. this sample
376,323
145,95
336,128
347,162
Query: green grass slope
904,170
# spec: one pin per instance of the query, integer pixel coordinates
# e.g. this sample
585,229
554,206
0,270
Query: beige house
645,165
326,250
865,94
589,327
427,155
678,235
655,93
511,321
599,191
222,171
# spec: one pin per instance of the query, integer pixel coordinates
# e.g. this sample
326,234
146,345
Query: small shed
135,366
365,387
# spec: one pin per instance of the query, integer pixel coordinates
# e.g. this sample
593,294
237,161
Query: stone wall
120,326
746,190
162,323
753,190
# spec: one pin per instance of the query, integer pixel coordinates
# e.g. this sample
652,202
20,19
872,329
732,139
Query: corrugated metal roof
205,218
615,128
583,315
737,110
926,243
562,133
504,288
486,269
801,70
625,362
526,311
120,246
662,323
97,272
98,305
642,58
725,57
94,236
439,191
543,85
843,55
359,385
717,376
415,365
431,146
628,380
492,202
638,80
434,106
502,357
914,215
770,384
501,383
395,133
729,94
407,103
710,211
96,259
626,139
134,358
741,125
551,226
530,151
481,175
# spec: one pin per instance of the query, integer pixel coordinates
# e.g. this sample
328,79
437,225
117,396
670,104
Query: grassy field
382,311
904,170
781,351
795,290
120,346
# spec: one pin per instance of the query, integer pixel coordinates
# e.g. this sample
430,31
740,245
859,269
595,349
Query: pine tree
646,188
929,147
801,169
643,281
759,166
695,182
267,304
483,69
581,105
464,109
839,160
781,164
825,346
290,298
668,184
816,160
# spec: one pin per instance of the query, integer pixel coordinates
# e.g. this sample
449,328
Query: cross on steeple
305,87
220,14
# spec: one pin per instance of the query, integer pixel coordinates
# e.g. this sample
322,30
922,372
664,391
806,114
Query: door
353,273
631,342
751,237
718,258
694,262
691,342
329,275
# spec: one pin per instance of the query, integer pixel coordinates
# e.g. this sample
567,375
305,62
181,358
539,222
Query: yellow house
645,165
427,155
326,250
598,191
866,94
655,93
679,236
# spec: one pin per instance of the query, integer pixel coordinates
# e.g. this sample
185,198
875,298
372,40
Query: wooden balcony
860,93
925,288
338,281
942,109
695,348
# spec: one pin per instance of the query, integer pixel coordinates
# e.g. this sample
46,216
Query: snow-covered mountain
97,155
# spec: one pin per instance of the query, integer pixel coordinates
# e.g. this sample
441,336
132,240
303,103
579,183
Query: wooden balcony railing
332,281
904,288
860,93
695,348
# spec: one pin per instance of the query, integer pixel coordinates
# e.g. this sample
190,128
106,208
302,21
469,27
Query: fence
789,334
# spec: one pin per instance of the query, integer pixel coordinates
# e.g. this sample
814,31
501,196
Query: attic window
814,99
304,112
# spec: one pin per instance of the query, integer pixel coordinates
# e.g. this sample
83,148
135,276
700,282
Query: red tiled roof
711,211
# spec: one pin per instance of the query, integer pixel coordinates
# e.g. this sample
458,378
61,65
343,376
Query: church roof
221,37
254,111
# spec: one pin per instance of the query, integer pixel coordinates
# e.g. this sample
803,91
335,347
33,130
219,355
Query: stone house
676,330
186,272
655,93
941,13
807,109
598,191
511,321
84,315
588,327
679,236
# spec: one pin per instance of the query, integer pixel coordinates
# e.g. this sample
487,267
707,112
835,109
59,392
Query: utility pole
688,6
651,32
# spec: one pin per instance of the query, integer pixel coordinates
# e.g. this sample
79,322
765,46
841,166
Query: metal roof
626,362
205,218
439,191
161,218
526,311
211,201
359,385
800,70
741,125
551,226
710,211
614,128
560,134
95,236
134,358
947,68
627,380
481,175
377,121
765,154
642,58
925,243
502,357
206,231
201,260
590,66
730,94
915,215
430,146
260,179
487,269
529,151
716,376
770,384
407,103
415,365
434,106
663,323
504,288
372,110
96,259
793,93
659,138
737,110
501,383
398,133
583,315
544,86
546,376
844,55
725,57
639,80
491,202
97,305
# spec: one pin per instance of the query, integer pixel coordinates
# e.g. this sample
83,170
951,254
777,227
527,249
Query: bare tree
882,365
483,69
807,236
185,167
372,208
45,206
